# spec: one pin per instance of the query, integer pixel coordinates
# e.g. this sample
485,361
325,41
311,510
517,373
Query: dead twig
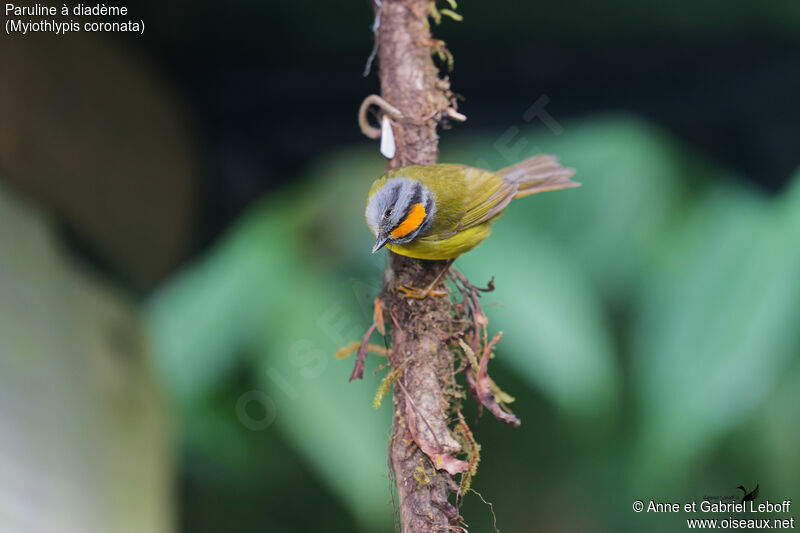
484,387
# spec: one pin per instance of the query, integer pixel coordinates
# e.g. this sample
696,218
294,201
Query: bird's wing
485,196
754,494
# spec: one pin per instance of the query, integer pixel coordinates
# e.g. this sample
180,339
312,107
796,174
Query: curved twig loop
368,129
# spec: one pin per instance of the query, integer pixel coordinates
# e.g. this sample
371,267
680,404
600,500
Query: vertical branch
410,81
422,447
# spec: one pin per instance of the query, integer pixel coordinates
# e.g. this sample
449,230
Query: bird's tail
539,173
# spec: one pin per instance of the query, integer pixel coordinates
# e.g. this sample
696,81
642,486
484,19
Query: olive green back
465,196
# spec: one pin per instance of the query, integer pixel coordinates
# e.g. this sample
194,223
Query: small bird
442,211
747,497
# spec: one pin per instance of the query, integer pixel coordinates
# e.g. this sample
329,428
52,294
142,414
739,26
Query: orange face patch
415,217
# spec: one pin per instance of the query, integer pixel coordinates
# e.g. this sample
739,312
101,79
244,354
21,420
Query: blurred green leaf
791,209
555,332
631,175
336,188
776,433
775,422
577,247
716,325
261,294
199,322
330,420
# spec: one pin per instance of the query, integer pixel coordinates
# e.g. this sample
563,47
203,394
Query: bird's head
399,211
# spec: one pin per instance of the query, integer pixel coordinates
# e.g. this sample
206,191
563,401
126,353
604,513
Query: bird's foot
419,294
412,292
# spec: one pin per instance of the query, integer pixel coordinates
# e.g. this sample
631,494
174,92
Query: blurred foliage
85,436
650,339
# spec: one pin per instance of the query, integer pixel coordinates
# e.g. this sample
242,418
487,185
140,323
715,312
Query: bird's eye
387,213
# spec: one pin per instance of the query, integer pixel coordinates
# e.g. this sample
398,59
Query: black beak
380,243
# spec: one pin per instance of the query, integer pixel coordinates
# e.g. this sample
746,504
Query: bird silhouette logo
748,496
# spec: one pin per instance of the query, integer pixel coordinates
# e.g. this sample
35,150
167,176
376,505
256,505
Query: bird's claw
419,294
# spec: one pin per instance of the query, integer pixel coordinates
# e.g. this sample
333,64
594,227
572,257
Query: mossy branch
427,448
410,81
